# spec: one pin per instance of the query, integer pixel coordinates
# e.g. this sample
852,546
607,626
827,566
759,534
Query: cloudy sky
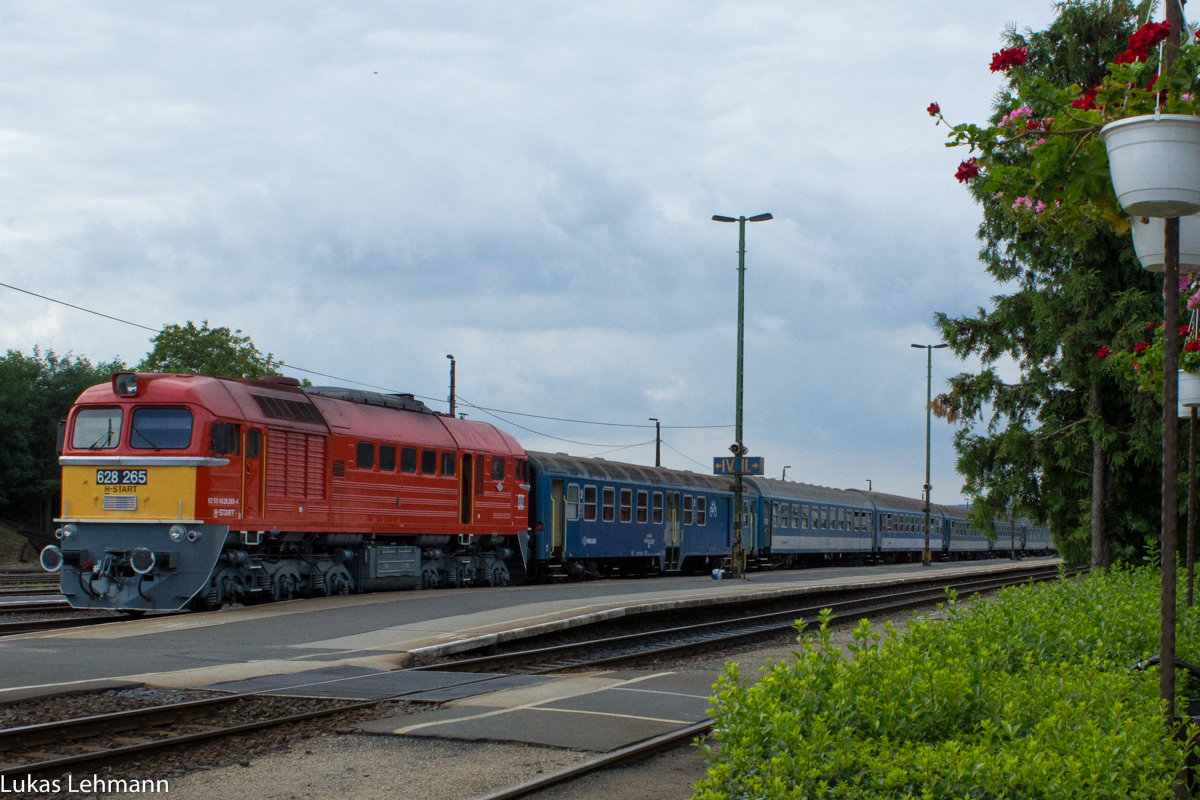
364,188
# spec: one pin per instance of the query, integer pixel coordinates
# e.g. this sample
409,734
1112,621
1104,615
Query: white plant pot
1189,393
1148,242
1155,164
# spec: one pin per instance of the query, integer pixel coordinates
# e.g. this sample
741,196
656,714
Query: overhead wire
490,411
689,458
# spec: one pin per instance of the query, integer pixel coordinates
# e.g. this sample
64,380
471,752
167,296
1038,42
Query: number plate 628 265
121,477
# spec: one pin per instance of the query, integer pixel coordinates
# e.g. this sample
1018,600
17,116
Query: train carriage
798,518
593,517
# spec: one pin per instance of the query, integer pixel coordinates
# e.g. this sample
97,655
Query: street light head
719,218
759,218
940,346
918,346
450,357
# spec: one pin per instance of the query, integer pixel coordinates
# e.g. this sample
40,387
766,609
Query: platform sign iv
746,465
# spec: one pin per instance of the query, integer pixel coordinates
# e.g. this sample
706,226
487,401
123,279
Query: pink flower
1194,301
1040,207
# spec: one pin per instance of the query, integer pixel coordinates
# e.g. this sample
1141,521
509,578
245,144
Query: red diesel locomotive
285,491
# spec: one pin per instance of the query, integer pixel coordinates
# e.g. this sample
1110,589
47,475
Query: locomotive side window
160,429
253,441
643,502
607,508
364,455
497,468
225,438
656,516
572,502
408,459
387,458
97,429
701,512
429,462
626,505
448,465
589,503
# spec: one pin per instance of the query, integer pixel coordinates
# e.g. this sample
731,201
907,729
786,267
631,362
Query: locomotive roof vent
400,402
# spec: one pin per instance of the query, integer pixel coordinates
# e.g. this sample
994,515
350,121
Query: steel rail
749,626
34,605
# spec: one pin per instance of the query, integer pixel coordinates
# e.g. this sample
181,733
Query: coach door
252,485
465,482
558,514
673,534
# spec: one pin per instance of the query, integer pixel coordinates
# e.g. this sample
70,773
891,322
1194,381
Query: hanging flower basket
1189,392
1155,164
1148,242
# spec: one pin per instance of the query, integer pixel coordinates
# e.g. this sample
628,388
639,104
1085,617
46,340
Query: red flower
1183,331
1140,42
1140,347
934,109
1149,326
1086,101
1006,59
967,170
1161,324
1192,346
1102,352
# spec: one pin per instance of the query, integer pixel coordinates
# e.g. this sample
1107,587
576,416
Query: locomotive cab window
607,509
589,503
626,505
160,429
573,502
701,511
364,455
408,460
96,429
448,464
429,462
643,511
225,438
387,458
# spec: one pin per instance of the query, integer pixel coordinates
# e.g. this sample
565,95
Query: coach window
803,516
429,462
387,458
408,459
96,429
607,507
364,456
824,518
701,511
795,516
573,502
688,507
589,503
448,460
656,516
626,505
785,516
160,429
643,500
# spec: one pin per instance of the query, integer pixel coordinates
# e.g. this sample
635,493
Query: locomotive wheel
429,578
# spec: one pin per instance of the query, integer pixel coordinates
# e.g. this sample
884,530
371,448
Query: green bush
1025,696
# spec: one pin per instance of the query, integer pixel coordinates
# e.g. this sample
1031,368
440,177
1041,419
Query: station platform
386,632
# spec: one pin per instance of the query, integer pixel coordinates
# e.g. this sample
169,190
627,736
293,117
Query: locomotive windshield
160,429
97,429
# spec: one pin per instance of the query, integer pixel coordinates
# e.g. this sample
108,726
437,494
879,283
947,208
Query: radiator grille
295,465
120,502
275,408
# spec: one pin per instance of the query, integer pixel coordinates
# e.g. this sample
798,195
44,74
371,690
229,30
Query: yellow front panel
168,493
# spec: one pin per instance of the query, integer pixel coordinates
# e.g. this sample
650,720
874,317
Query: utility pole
451,385
869,489
926,557
737,556
783,477
1170,470
657,441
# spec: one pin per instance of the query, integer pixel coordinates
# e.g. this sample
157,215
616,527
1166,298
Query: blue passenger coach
594,517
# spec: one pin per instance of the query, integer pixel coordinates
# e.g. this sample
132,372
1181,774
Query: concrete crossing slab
349,682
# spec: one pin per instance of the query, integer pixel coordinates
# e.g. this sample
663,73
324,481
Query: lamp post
451,385
926,559
736,556
783,477
657,441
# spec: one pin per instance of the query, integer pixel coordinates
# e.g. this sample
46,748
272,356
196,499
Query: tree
207,351
1068,442
35,393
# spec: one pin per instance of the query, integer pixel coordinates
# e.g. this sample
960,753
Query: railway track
27,581
55,746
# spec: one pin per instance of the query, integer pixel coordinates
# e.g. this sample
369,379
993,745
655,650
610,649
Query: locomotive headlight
194,536
68,531
52,558
177,533
142,560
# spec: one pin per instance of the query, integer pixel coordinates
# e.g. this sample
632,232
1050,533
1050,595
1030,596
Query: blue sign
738,466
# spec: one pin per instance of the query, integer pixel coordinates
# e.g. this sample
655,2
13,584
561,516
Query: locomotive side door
466,480
252,466
557,518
